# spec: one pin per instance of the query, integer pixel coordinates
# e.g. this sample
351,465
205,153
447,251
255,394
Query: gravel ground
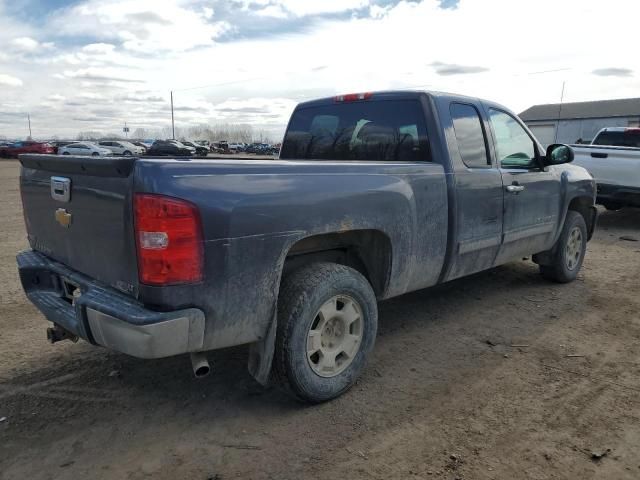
497,376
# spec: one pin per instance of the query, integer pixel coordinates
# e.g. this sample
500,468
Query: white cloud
304,7
207,12
25,44
275,11
143,26
10,81
29,45
100,48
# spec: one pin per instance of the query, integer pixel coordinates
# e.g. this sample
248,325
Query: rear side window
629,138
386,130
470,135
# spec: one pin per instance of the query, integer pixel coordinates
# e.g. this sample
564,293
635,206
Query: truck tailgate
78,211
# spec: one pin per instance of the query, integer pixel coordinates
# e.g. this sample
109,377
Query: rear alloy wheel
569,250
334,337
327,323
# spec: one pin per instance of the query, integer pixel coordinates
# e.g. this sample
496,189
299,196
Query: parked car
60,143
169,147
142,145
182,145
17,148
120,147
236,147
375,195
262,149
220,147
199,149
84,149
613,158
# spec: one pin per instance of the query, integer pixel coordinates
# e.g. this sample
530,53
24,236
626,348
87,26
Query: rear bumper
616,194
104,316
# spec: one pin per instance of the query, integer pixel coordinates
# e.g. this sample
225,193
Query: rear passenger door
478,190
532,192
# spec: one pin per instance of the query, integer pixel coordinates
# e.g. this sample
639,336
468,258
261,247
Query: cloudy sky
91,65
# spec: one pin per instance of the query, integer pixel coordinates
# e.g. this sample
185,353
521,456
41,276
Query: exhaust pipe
200,364
58,334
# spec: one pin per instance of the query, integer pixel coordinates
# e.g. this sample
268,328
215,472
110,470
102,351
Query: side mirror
558,153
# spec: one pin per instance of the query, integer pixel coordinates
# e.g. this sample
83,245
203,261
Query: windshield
385,130
628,138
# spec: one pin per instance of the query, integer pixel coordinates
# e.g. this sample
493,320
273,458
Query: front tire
569,250
327,324
127,153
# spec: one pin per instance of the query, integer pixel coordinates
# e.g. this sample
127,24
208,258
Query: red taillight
169,240
353,97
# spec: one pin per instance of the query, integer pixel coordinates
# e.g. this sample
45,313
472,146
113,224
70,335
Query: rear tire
327,324
570,250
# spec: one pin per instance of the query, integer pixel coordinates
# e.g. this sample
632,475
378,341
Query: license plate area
70,290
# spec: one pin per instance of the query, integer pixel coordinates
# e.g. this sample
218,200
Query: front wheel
127,153
327,324
569,250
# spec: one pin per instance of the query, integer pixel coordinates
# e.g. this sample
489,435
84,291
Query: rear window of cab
383,130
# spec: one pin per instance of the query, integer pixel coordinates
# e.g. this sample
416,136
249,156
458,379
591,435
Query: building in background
579,122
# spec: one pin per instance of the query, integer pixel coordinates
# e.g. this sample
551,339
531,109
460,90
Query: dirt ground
497,376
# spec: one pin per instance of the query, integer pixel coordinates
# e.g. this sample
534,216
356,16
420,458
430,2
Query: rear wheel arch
368,251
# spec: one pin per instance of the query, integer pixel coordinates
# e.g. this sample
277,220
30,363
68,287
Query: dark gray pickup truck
374,195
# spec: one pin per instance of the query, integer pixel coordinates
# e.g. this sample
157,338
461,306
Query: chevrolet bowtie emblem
63,217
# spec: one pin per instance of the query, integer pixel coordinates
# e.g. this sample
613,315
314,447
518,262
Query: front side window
470,135
514,147
384,130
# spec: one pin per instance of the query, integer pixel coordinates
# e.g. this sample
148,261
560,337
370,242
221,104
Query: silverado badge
63,217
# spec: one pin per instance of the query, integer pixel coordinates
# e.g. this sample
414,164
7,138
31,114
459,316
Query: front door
531,191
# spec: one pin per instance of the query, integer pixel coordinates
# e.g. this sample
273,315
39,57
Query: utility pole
555,140
173,128
29,120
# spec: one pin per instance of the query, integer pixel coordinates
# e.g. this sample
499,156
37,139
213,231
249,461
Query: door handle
515,188
599,155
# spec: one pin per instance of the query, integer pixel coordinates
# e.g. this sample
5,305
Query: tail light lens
169,240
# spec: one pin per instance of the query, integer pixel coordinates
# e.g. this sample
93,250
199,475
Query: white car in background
120,147
84,149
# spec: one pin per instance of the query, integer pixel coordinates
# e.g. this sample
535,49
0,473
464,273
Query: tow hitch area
57,334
